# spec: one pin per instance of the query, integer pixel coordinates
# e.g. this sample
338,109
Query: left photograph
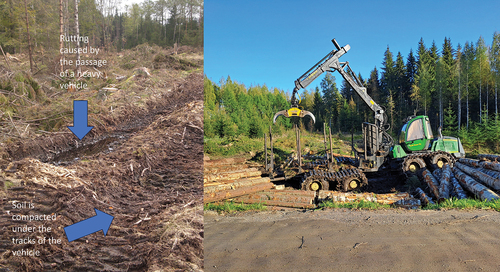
101,135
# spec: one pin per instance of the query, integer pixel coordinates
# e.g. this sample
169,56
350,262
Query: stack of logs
238,180
232,177
479,177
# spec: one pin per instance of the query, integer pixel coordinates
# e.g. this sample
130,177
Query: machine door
415,136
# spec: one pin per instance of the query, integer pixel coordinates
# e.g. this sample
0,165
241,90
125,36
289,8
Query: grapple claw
283,112
308,113
293,112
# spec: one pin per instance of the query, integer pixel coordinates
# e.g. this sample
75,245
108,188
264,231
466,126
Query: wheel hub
315,186
353,184
440,163
413,168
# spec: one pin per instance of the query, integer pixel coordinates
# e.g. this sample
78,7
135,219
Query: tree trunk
467,99
61,32
77,28
28,32
487,99
441,105
459,101
5,57
66,19
480,103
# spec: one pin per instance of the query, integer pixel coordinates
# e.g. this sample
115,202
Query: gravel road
350,240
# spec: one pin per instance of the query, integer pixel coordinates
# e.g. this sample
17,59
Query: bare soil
143,167
348,240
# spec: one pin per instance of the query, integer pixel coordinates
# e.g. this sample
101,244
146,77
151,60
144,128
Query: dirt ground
349,240
144,168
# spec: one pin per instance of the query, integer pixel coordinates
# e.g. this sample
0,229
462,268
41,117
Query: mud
145,169
105,145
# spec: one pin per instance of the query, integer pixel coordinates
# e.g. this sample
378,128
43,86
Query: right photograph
351,136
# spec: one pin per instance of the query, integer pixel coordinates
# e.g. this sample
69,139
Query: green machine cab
416,137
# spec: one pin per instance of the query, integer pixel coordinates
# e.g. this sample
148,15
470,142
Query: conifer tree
387,80
495,65
481,63
458,75
411,69
373,88
401,91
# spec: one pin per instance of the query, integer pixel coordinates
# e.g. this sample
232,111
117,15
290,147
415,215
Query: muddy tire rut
145,171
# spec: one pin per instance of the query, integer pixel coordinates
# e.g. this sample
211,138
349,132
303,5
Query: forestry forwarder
416,147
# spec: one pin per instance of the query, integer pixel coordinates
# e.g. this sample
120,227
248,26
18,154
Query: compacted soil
144,169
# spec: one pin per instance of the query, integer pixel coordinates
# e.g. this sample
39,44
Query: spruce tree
495,65
387,81
411,69
373,89
401,91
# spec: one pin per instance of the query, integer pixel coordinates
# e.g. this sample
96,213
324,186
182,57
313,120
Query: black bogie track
420,160
343,180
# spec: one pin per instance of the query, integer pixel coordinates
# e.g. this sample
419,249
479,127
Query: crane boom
331,63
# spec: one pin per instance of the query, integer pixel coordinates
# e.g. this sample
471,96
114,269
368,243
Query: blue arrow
102,221
80,119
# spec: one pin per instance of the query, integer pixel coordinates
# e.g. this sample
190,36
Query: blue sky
274,42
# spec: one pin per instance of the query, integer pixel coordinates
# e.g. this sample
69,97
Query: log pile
240,181
231,177
481,178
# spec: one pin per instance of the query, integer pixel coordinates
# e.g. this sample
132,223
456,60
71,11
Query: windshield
415,131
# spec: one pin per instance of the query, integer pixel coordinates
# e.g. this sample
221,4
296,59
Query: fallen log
489,157
351,197
457,188
438,173
222,186
220,195
432,183
282,198
226,161
480,176
233,175
480,165
473,186
470,162
490,165
489,172
444,186
276,203
426,200
223,168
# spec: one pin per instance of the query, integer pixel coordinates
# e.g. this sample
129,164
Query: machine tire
352,183
412,165
315,184
442,158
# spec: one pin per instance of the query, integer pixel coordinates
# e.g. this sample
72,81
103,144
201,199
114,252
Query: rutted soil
145,169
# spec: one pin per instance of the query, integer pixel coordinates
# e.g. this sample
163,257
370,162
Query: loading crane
416,149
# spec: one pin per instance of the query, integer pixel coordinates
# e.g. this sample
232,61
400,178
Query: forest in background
37,92
108,26
457,87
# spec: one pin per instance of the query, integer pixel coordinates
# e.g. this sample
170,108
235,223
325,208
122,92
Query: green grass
465,204
358,205
231,207
452,203
231,146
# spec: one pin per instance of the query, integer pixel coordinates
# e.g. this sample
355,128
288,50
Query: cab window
429,130
415,130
